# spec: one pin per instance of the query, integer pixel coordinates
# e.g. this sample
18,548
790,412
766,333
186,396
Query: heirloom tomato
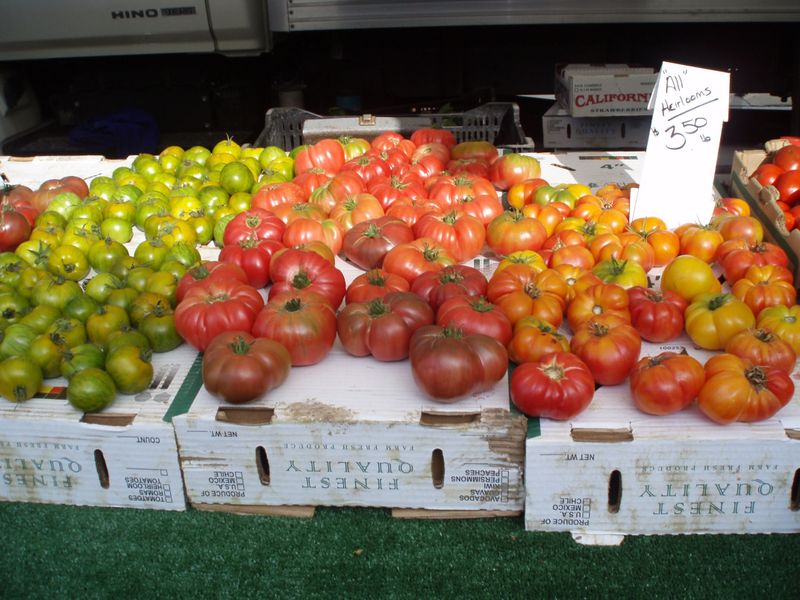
274,194
533,338
130,368
462,235
521,291
737,390
214,306
383,327
306,231
666,383
375,283
657,316
762,347
208,270
326,155
603,299
91,390
713,319
701,241
736,256
624,273
783,321
475,314
610,351
253,256
427,135
304,322
238,367
254,223
513,231
355,209
20,378
764,286
435,287
294,270
448,364
689,276
417,257
509,169
559,386
366,243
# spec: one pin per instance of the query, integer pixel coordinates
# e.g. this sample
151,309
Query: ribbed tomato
610,352
559,386
657,316
435,287
666,383
294,270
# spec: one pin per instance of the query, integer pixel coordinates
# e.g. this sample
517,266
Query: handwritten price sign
689,106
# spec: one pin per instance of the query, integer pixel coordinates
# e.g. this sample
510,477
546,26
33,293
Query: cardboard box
592,168
613,471
586,90
762,201
354,432
123,456
562,130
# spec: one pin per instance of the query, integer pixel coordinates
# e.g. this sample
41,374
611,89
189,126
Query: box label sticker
152,488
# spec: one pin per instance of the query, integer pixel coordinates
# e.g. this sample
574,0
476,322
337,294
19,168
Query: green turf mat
72,552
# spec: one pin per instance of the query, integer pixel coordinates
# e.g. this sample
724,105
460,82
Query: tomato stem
293,305
377,308
757,377
301,280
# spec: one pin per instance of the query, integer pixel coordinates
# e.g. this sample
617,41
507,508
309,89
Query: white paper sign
689,106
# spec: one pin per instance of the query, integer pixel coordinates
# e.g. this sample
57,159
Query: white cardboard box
124,456
614,471
593,168
354,432
586,90
562,130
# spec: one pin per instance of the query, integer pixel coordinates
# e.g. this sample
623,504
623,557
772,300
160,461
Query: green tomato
78,358
219,229
123,266
88,212
16,339
124,298
20,378
82,240
69,262
138,276
150,209
147,167
35,253
104,321
120,230
151,253
70,330
51,218
91,390
28,280
164,283
47,350
169,163
269,154
102,187
183,253
197,154
203,227
127,336
56,292
213,197
104,254
99,287
159,328
130,368
148,303
81,308
11,267
65,203
236,177
128,193
120,210
40,318
174,268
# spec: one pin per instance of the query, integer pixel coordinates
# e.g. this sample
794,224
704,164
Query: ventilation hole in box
794,503
102,468
262,464
614,491
437,468
623,131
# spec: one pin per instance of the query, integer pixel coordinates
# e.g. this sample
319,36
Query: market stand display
320,440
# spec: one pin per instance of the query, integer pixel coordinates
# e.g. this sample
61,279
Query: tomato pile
782,170
577,285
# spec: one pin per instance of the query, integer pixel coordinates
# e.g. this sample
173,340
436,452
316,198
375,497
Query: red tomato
533,339
356,209
468,166
598,300
253,256
609,352
305,231
295,270
366,243
208,270
788,185
449,192
214,306
480,149
666,383
522,291
369,167
254,223
427,135
238,367
388,190
736,256
326,155
462,235
513,231
375,283
448,364
737,390
559,386
417,257
767,173
762,347
383,327
475,314
435,287
391,140
513,168
787,158
274,194
14,228
304,322
657,316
